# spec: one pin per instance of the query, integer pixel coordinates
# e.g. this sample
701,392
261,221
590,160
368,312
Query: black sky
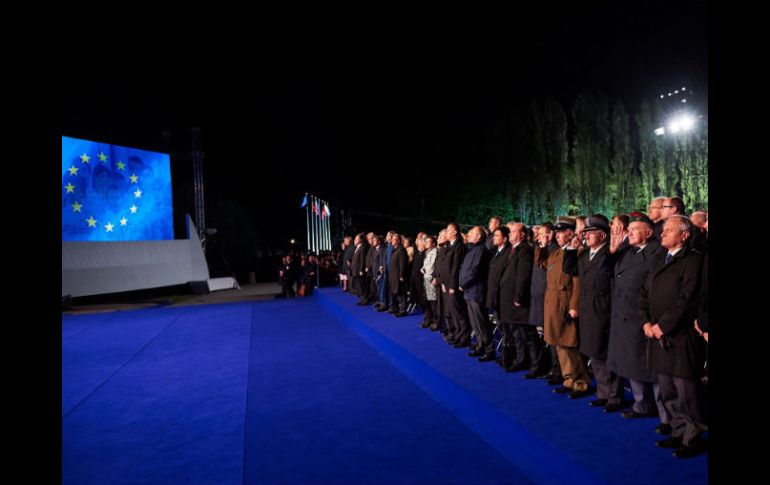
288,106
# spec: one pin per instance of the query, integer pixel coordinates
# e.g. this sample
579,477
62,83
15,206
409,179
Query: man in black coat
627,353
668,306
397,277
460,330
473,286
347,259
358,267
594,270
515,286
494,223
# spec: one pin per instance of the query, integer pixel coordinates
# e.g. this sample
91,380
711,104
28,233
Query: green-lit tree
623,170
591,152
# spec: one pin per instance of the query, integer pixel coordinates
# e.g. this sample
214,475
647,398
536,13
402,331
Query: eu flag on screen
114,193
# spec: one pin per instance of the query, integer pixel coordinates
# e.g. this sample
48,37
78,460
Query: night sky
360,112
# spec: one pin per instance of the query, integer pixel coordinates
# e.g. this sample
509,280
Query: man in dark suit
473,286
515,286
594,271
654,212
397,277
496,267
668,306
494,223
358,267
450,273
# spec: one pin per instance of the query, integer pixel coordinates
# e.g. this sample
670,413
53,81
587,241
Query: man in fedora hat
594,271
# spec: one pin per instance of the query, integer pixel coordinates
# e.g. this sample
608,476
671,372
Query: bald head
700,219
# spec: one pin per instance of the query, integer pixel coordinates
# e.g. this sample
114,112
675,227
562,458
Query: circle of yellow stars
77,207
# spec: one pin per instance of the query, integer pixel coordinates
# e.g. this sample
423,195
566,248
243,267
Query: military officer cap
563,223
597,222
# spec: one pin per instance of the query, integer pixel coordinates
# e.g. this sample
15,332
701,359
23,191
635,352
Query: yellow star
76,207
70,188
73,170
91,221
109,226
133,209
134,178
121,165
138,193
102,157
84,158
123,221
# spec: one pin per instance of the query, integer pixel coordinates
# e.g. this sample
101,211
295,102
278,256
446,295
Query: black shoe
476,353
533,375
555,380
597,402
562,390
664,429
461,344
425,325
631,414
688,451
615,407
433,327
382,309
400,314
669,443
579,394
516,367
488,358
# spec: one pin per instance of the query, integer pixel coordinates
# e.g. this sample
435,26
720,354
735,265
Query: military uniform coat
561,294
595,295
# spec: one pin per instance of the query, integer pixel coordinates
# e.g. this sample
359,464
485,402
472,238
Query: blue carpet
318,390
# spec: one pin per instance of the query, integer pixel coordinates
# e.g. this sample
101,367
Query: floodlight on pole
660,131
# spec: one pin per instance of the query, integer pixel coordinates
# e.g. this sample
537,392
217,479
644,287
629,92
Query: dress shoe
562,390
461,344
579,394
548,375
488,358
476,353
693,449
516,367
533,375
631,414
425,325
434,327
597,402
615,407
669,442
400,314
664,429
382,309
555,380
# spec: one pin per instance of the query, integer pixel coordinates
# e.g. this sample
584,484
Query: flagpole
328,226
315,220
307,221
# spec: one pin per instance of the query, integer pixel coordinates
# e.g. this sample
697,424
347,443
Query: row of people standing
624,295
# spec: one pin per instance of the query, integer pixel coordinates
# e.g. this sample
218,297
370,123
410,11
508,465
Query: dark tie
669,257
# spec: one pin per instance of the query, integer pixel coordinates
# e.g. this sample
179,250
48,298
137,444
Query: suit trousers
609,385
479,319
683,401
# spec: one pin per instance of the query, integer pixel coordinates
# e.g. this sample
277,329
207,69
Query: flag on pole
315,208
326,210
304,202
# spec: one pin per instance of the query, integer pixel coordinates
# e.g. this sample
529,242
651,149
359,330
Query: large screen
114,193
